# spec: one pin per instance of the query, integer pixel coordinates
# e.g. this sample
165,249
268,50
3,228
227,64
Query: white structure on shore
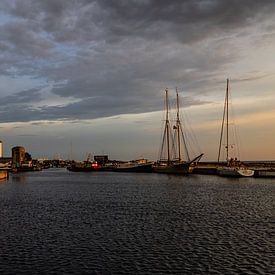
1,149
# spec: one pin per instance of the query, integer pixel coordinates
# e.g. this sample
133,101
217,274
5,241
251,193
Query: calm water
57,221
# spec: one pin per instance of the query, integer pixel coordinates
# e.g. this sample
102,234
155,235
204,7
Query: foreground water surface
56,221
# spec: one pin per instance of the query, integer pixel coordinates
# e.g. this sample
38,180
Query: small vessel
175,165
137,166
85,166
236,171
233,167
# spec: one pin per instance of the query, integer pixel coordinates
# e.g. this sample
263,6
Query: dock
4,174
261,168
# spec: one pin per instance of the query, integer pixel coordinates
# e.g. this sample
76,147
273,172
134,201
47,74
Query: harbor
137,137
174,155
261,168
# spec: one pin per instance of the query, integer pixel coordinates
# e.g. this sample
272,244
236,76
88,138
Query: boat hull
139,168
182,168
234,172
84,168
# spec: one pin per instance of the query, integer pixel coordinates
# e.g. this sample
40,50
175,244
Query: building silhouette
18,155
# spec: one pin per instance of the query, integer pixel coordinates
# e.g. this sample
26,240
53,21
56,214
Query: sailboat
168,164
233,167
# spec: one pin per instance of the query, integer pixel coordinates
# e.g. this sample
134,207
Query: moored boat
133,167
235,172
172,168
176,165
233,168
85,166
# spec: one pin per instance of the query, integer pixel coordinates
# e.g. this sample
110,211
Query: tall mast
178,126
227,135
225,116
167,126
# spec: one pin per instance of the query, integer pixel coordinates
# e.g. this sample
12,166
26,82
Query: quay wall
4,174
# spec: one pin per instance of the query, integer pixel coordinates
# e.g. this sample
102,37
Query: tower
18,155
1,149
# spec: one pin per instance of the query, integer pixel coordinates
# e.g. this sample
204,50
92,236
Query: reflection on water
21,177
62,222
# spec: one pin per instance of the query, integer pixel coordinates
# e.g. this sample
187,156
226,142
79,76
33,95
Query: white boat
235,172
233,168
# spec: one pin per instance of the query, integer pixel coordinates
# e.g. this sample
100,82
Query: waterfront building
18,155
101,159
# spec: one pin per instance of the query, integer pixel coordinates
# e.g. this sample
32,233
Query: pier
262,168
4,174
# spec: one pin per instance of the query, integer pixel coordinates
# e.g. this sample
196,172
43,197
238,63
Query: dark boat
167,164
86,166
176,167
171,168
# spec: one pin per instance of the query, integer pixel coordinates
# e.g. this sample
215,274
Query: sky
88,76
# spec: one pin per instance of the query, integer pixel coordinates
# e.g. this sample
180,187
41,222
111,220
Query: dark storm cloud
23,41
256,76
117,57
186,20
90,108
21,98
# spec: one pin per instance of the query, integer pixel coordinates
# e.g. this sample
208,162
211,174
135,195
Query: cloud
24,97
23,40
117,57
89,108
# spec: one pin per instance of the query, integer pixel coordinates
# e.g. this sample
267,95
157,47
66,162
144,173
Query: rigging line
162,143
163,130
235,129
173,152
167,125
185,145
238,141
178,127
179,130
227,114
192,139
176,156
221,135
167,130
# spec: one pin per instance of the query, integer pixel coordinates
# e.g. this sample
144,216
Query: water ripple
57,222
